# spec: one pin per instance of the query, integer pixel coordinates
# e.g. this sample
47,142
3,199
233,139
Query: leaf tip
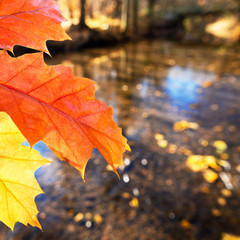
38,225
117,174
127,147
82,172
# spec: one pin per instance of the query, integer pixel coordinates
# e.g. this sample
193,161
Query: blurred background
171,71
214,22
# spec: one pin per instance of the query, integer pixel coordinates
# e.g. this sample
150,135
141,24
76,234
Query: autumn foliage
46,103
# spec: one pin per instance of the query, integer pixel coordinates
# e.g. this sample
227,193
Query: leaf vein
9,191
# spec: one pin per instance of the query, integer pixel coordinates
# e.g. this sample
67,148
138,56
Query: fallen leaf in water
204,143
238,149
224,164
210,175
205,189
226,193
134,203
70,212
216,212
163,143
220,146
78,217
186,152
238,168
227,236
207,84
159,136
88,215
218,128
185,224
222,201
126,195
172,148
183,125
225,156
97,218
199,162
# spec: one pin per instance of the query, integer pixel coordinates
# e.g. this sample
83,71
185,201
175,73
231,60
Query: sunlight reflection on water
182,83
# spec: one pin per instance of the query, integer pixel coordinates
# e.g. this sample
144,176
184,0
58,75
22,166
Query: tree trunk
135,17
125,17
82,24
151,4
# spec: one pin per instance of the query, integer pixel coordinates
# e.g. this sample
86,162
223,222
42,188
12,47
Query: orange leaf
52,105
30,23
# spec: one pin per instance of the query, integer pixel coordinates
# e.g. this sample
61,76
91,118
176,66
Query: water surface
151,86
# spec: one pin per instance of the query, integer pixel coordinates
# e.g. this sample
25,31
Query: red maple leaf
49,103
30,23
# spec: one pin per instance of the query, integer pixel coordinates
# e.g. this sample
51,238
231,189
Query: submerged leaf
210,175
227,236
183,125
200,162
220,146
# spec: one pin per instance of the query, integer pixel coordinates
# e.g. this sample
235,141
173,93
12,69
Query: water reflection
182,84
45,151
151,86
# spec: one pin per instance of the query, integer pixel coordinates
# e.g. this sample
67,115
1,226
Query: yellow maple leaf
201,162
18,186
183,125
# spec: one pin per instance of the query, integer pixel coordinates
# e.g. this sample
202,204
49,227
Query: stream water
151,85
